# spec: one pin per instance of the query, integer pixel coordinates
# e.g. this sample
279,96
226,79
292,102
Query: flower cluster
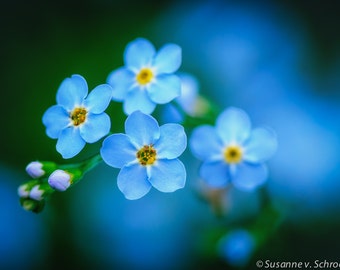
147,153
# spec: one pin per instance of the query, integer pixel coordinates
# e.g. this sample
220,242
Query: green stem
90,163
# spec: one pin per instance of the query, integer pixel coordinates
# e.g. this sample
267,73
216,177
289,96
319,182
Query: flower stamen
146,155
78,116
233,154
144,76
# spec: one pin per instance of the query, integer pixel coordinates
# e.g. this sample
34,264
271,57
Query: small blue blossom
237,247
147,78
232,152
78,118
147,156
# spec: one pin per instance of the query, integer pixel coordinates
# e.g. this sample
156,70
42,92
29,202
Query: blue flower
231,151
237,247
78,118
147,78
147,156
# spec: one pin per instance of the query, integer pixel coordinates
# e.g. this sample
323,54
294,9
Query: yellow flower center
144,76
146,155
78,116
233,154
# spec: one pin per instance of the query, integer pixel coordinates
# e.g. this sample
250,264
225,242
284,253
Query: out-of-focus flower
189,101
231,151
78,117
237,247
147,78
147,156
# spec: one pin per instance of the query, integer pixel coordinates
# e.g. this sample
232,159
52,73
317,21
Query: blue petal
117,150
99,98
170,114
215,174
133,181
168,59
139,53
189,93
55,119
70,143
165,88
72,92
143,129
167,175
233,126
260,146
138,99
121,81
205,144
249,176
172,141
95,127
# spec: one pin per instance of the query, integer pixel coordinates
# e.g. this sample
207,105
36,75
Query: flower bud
24,191
32,205
60,180
35,169
36,193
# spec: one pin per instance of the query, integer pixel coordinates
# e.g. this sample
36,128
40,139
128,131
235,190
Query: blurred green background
92,226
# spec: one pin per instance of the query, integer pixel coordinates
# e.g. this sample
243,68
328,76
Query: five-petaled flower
78,117
147,156
231,151
147,78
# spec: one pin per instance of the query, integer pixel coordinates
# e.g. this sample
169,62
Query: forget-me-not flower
147,78
147,156
78,118
232,152
237,247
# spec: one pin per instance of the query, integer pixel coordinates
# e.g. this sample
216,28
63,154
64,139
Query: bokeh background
278,60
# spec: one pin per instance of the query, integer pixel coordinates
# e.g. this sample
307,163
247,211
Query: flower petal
99,98
165,88
70,143
139,53
249,176
121,81
133,181
167,175
117,150
143,129
172,141
205,144
138,99
233,126
95,127
215,174
55,119
189,93
260,146
168,59
72,92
